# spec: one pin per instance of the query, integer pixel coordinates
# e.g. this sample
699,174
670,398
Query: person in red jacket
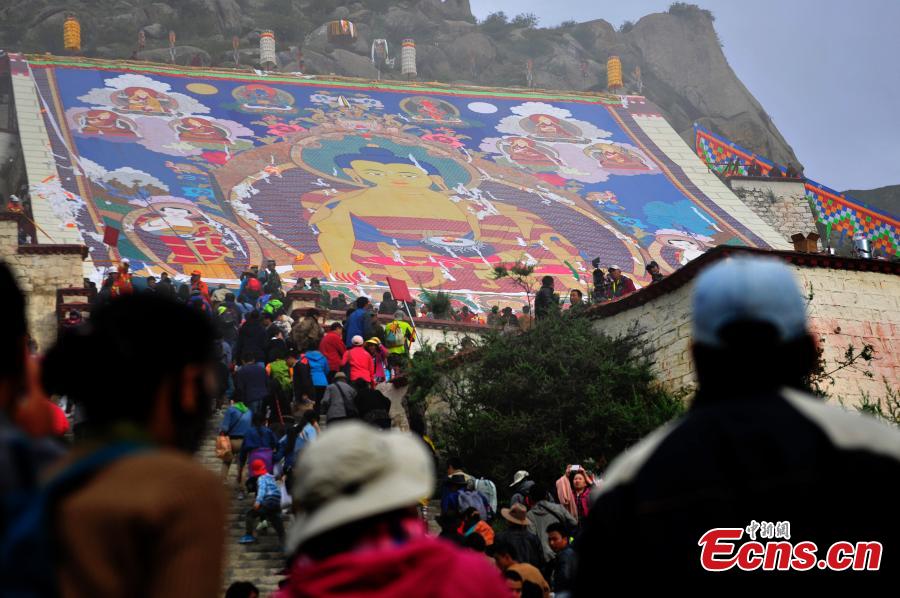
332,347
198,284
362,365
122,285
621,285
370,542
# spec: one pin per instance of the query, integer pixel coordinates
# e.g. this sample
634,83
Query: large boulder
685,72
353,65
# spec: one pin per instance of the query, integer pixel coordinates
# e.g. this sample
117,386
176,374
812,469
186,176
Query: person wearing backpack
251,289
339,401
488,489
235,424
450,502
545,513
398,336
280,384
96,524
267,505
229,318
260,442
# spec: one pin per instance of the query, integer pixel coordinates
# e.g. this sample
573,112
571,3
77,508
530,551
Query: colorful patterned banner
837,212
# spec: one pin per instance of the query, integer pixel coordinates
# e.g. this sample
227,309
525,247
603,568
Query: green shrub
558,394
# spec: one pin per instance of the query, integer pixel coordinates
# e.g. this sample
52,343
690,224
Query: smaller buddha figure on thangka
529,154
612,156
193,129
431,110
550,128
262,98
143,100
105,123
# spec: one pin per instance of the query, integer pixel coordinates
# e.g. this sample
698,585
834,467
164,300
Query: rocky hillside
883,198
682,66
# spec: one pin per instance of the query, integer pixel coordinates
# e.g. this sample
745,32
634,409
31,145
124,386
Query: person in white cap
356,530
521,488
619,284
754,448
360,362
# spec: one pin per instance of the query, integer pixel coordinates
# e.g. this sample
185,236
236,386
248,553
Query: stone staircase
259,563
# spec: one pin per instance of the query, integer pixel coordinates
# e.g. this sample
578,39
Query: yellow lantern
614,73
72,34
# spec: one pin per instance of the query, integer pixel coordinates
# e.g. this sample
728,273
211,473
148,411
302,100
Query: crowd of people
330,471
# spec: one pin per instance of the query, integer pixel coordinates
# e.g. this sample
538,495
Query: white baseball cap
747,289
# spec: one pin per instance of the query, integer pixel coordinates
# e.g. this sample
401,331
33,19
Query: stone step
259,563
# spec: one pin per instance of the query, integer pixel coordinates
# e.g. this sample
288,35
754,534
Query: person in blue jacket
318,369
360,321
236,423
260,441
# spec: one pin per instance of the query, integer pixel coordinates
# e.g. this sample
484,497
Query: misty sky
810,68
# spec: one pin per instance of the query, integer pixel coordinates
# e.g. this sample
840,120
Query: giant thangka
355,181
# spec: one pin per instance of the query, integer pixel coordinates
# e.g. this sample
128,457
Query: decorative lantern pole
614,73
142,41
235,44
267,55
408,58
72,34
172,46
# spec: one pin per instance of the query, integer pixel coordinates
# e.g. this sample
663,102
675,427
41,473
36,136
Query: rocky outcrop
684,70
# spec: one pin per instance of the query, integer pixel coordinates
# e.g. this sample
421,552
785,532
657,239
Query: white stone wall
39,277
782,204
848,307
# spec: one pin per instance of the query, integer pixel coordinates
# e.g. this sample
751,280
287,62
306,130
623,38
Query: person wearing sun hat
356,530
379,358
526,544
753,447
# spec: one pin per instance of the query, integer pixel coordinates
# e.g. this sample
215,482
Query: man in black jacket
546,301
252,337
755,459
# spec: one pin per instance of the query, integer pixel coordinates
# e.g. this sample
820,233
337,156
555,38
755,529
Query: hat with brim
518,477
373,341
340,376
357,341
354,471
515,514
614,267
